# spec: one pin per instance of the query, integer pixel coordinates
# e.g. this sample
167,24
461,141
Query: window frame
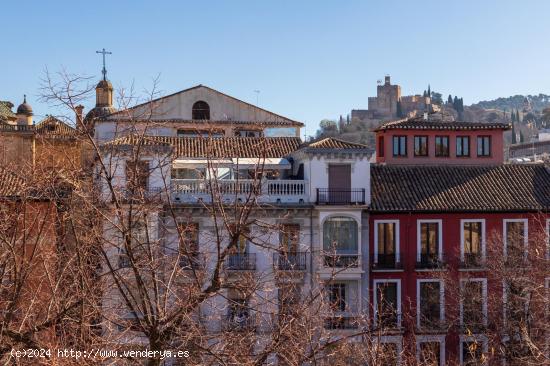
396,236
482,138
473,338
437,153
205,110
441,299
375,284
397,340
483,281
461,138
431,339
419,237
399,153
462,238
419,138
525,236
381,146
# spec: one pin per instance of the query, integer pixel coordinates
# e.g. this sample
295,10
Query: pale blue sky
310,59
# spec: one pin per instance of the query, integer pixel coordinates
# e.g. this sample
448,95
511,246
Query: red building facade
440,235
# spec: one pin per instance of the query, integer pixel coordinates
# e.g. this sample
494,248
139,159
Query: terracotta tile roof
53,127
224,147
10,184
419,123
460,188
334,143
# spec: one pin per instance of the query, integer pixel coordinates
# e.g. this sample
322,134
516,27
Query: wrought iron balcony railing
385,261
430,261
333,196
292,261
341,260
238,323
341,322
472,260
241,262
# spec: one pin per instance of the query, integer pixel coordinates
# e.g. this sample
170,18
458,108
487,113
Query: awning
267,163
200,163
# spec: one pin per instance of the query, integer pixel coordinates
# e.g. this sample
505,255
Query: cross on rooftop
104,71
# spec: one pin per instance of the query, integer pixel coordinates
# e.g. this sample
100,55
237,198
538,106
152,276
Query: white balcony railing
273,191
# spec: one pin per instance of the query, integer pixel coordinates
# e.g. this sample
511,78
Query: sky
310,60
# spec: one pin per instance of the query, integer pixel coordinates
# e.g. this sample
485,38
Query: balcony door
339,183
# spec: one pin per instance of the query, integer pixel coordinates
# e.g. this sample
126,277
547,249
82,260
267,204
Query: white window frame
359,240
525,237
441,299
355,308
429,339
419,237
484,295
398,340
375,298
473,338
505,290
483,240
397,248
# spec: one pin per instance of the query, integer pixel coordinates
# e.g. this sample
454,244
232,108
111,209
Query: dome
25,108
104,84
98,112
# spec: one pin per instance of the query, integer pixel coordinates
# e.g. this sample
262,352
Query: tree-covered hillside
538,102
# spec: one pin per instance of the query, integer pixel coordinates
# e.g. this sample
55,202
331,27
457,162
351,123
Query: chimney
78,116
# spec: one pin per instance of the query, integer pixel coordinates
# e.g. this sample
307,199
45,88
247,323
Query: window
442,146
289,238
387,303
429,243
201,110
381,147
430,304
386,244
189,245
472,350
399,145
137,175
421,146
484,146
515,240
238,314
389,350
248,133
430,350
473,304
340,242
138,240
472,242
188,173
463,146
516,305
337,296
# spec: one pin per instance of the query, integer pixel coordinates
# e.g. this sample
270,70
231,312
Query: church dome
25,108
104,84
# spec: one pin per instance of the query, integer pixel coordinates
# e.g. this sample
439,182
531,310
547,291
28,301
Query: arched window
340,234
201,110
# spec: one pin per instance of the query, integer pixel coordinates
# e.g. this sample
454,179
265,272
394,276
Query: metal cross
104,71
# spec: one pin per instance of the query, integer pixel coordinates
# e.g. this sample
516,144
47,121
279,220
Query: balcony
332,196
430,261
472,261
290,261
341,322
241,262
268,191
238,323
192,261
385,262
341,260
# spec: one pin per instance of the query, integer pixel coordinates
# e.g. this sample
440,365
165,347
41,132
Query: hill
538,102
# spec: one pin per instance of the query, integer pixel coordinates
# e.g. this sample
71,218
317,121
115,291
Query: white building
192,150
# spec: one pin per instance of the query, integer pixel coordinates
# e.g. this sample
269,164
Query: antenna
257,96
